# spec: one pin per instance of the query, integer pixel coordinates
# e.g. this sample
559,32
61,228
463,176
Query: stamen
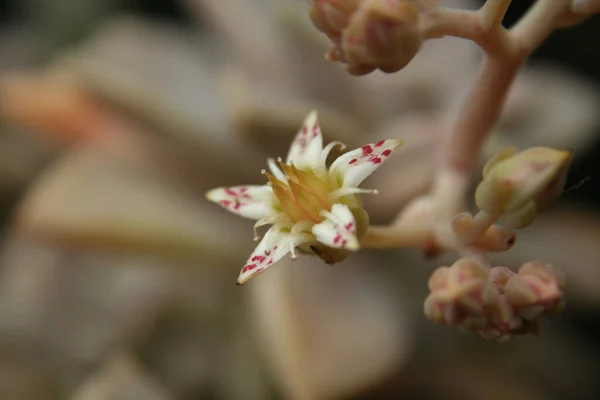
298,238
341,192
275,169
293,254
272,180
322,160
269,220
301,226
288,170
332,217
255,227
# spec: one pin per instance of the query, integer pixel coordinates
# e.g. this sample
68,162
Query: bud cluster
371,34
495,303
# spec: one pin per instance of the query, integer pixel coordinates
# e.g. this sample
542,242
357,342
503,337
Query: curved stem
386,237
481,27
480,112
493,12
506,52
539,23
479,226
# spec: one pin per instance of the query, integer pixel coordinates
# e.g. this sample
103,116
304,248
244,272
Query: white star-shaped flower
310,206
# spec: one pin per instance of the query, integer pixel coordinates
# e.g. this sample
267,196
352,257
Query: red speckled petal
307,145
338,230
254,202
356,165
275,244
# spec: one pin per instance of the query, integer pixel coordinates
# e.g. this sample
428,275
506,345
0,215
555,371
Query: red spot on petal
348,226
337,238
236,202
249,267
371,154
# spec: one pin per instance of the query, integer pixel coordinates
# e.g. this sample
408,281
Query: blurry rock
91,199
121,378
55,108
73,309
329,332
21,158
164,78
549,106
246,28
18,46
207,353
269,117
22,378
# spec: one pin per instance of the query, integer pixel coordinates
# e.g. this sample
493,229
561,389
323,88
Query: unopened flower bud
382,34
499,276
502,321
332,16
518,185
460,294
536,290
495,303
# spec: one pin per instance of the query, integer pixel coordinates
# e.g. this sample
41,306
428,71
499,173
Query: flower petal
276,243
254,202
350,169
307,144
338,230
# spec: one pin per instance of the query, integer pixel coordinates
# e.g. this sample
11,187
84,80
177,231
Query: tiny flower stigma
309,204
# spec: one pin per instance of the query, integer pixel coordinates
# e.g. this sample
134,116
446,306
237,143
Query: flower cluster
494,302
313,206
371,34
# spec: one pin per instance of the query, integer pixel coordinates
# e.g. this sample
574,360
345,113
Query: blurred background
117,277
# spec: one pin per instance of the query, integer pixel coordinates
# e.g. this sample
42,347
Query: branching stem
505,53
